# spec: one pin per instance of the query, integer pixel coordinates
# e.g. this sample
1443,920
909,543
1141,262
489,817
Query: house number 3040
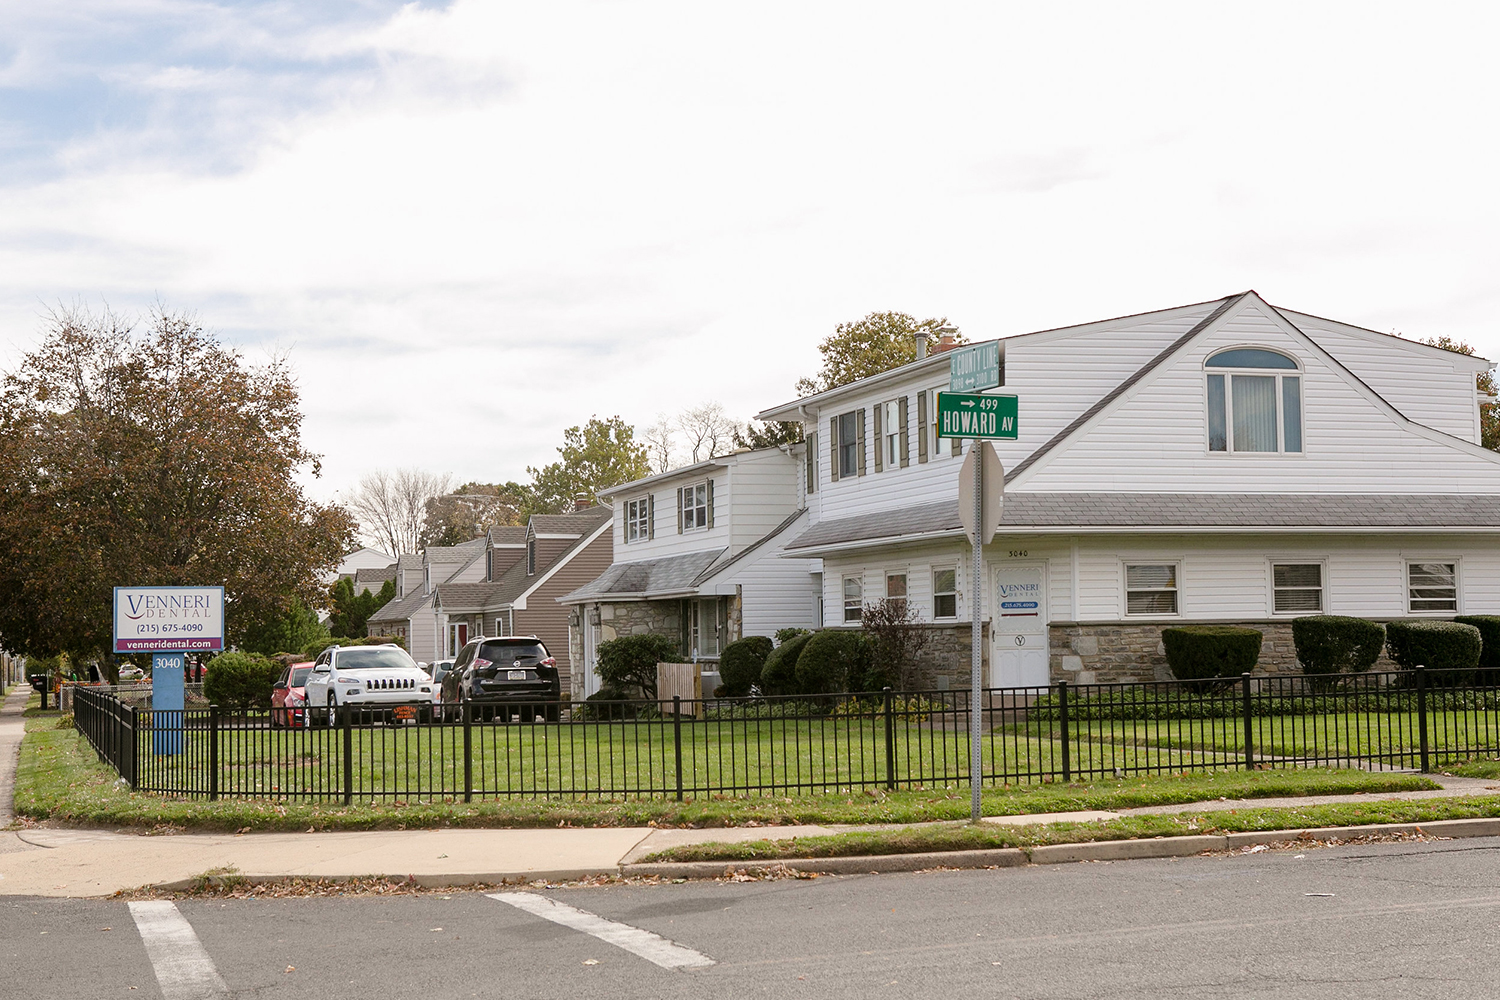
1018,553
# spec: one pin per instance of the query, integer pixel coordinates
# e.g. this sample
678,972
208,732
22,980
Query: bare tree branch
709,431
392,506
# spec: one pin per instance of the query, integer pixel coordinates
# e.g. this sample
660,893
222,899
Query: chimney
582,501
947,340
921,336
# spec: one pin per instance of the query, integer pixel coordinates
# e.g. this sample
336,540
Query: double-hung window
1296,587
895,589
1151,589
694,513
1432,586
1254,402
890,431
848,443
945,593
637,520
854,600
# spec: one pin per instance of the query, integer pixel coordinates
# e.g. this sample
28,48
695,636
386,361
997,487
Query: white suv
370,677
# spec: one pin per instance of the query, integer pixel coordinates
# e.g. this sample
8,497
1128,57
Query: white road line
183,969
651,947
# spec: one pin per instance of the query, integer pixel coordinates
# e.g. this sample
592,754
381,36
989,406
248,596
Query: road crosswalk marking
183,969
652,947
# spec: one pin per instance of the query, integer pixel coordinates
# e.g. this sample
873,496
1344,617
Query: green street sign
976,367
972,415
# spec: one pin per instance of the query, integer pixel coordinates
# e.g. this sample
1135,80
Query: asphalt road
1387,921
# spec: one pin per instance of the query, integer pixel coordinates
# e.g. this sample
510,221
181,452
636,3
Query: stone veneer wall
945,664
1128,652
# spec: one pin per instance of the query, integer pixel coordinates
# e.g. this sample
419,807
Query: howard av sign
972,415
176,619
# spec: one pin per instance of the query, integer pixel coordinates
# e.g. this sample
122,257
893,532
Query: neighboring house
357,560
522,572
372,580
411,616
697,558
1225,462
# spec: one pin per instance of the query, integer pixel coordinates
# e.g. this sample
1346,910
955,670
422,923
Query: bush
312,649
629,662
1334,644
607,705
740,665
832,661
779,675
1451,647
240,682
1489,650
786,635
897,641
1205,652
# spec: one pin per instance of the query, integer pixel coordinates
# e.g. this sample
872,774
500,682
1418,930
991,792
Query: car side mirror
278,686
321,668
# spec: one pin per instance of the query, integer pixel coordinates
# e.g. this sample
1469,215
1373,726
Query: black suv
501,675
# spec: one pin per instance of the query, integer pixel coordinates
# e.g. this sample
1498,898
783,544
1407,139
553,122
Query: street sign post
976,367
981,494
973,415
168,623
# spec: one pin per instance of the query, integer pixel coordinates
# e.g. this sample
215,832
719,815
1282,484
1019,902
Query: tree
658,441
1489,413
351,612
709,432
392,506
468,512
594,457
293,630
879,342
769,435
153,459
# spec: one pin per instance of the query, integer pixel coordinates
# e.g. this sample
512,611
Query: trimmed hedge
779,675
629,662
785,635
1450,647
1489,650
740,665
1335,644
240,682
834,660
1206,652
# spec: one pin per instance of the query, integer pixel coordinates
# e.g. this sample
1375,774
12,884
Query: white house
1227,462
412,615
698,557
365,558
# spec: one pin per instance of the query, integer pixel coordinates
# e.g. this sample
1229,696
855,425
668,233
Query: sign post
168,623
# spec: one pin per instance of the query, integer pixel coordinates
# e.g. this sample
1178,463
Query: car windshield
509,652
440,671
299,675
373,658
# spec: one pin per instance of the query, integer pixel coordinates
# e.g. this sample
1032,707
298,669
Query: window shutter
833,443
811,447
922,426
650,515
860,438
905,447
879,438
710,503
679,510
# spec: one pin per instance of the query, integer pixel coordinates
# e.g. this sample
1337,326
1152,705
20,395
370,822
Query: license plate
405,712
515,675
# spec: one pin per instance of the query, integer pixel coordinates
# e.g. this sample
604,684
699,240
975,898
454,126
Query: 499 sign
973,415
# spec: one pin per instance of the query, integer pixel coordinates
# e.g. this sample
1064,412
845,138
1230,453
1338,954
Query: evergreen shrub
1489,650
1207,652
779,675
629,662
240,682
1450,648
741,663
1335,644
834,660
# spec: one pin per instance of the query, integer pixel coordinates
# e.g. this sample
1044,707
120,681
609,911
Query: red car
289,697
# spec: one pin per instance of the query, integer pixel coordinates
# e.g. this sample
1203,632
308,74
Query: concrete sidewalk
72,862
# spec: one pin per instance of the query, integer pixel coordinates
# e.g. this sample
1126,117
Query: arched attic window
1256,404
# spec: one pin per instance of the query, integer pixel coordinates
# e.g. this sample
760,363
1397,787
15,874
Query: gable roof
668,576
461,553
577,522
401,608
507,534
375,575
515,583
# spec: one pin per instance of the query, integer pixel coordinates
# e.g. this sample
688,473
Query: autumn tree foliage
879,342
151,458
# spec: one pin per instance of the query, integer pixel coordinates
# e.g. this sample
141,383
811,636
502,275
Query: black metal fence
788,746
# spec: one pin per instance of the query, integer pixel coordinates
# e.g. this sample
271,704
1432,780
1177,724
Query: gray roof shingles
667,575
1174,510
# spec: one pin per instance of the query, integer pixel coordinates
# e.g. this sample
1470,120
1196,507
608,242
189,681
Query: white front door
1018,656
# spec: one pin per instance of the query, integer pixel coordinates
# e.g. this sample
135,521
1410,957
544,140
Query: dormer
504,547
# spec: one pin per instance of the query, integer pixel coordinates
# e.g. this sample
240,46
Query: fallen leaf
291,968
590,961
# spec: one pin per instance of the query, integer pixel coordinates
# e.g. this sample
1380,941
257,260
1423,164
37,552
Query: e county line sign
169,619
972,415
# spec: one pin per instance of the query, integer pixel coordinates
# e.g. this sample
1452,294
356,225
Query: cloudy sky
473,224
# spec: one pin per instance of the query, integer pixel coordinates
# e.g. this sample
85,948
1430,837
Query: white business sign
168,619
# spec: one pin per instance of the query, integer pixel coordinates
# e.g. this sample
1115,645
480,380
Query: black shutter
679,510
860,438
833,444
875,421
650,515
922,426
811,445
710,503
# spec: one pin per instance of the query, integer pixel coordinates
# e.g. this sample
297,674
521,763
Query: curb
1052,854
443,881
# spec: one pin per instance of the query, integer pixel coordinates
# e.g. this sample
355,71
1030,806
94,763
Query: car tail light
479,662
550,661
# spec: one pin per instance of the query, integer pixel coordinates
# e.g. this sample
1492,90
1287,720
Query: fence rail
801,745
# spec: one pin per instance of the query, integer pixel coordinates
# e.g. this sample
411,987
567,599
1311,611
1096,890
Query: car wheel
333,709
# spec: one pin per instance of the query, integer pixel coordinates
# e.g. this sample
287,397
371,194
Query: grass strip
60,779
982,836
